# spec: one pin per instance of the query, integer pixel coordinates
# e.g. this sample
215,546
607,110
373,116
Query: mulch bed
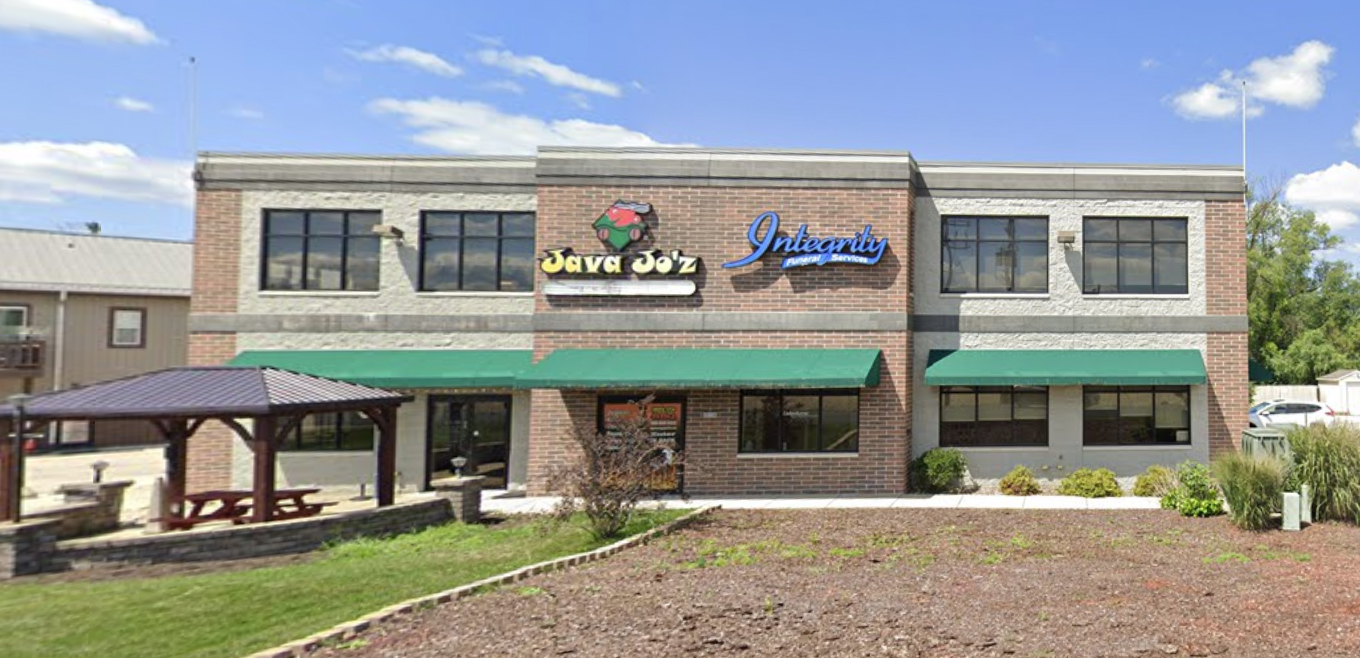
928,583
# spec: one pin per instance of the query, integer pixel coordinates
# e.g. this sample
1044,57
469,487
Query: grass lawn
232,614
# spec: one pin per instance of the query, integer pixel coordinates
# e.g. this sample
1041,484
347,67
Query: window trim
1048,264
20,306
1119,416
345,238
1048,409
1152,243
500,238
294,437
821,440
113,327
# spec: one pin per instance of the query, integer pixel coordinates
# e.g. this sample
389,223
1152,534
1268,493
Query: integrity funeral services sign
802,249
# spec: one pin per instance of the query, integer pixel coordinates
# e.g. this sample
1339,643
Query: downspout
59,343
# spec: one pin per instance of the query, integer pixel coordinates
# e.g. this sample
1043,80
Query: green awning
1064,367
400,368
703,368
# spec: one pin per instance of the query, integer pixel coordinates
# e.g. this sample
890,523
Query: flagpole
1244,143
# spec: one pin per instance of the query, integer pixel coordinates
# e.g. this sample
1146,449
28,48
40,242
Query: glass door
475,428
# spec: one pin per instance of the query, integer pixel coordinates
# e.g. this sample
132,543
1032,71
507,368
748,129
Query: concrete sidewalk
497,501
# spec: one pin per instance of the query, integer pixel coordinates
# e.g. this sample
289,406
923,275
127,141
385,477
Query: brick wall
712,223
217,262
1226,287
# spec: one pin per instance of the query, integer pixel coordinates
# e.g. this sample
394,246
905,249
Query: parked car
1290,412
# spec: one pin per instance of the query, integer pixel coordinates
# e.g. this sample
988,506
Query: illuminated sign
801,249
619,227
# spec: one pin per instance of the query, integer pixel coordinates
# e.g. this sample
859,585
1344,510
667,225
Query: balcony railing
21,355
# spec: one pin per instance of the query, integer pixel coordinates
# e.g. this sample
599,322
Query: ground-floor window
799,421
1129,415
993,416
349,430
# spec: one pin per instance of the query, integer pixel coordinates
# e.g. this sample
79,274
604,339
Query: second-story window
486,251
13,320
320,250
1135,256
127,327
994,254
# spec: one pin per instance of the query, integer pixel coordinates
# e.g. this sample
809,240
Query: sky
95,95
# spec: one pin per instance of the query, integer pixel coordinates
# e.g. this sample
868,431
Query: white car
1290,412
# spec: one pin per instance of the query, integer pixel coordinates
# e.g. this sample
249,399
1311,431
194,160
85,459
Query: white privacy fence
1302,393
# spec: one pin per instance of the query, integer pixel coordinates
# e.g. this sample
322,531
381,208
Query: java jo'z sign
619,227
801,249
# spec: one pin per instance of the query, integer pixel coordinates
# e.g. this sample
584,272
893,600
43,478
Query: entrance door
475,427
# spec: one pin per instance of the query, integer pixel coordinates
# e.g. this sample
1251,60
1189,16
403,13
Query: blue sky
94,126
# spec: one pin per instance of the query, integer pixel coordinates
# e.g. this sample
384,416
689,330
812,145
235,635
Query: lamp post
19,402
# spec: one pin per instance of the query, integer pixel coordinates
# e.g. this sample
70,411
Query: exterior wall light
389,232
1068,239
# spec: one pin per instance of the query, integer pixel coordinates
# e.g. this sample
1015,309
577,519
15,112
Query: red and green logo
623,224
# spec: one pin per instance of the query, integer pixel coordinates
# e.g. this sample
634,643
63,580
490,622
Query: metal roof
44,261
1338,375
206,392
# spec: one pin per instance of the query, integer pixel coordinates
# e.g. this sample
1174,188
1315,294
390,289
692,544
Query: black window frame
293,441
461,238
1151,242
1119,404
976,390
266,233
977,240
821,434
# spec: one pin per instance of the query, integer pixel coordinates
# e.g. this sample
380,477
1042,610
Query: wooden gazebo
262,405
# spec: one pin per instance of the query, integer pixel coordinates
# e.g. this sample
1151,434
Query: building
807,321
82,308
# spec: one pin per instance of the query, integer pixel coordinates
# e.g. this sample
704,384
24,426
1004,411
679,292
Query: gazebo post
176,434
386,419
11,485
262,510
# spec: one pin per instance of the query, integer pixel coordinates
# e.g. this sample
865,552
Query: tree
1302,308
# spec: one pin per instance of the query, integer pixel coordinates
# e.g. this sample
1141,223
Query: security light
1067,239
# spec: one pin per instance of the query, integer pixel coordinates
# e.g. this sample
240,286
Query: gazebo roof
199,392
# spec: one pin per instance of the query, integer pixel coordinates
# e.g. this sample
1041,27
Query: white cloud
1333,193
131,104
53,172
1149,63
579,100
475,128
425,61
1296,80
509,86
247,113
1355,132
554,74
80,19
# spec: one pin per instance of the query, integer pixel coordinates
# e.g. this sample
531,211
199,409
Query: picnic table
235,506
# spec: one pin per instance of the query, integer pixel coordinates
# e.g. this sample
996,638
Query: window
477,251
127,327
13,319
320,250
994,254
349,430
993,416
1135,256
799,421
1129,415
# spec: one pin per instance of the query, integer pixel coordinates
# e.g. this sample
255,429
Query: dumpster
1264,442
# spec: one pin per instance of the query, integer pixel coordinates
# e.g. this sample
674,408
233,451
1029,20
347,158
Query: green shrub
1253,487
1328,460
1156,481
1088,483
1195,493
1019,482
939,470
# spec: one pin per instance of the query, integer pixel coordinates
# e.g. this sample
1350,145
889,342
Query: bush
1156,481
616,472
1088,483
939,470
1253,487
1019,482
1328,460
1195,493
